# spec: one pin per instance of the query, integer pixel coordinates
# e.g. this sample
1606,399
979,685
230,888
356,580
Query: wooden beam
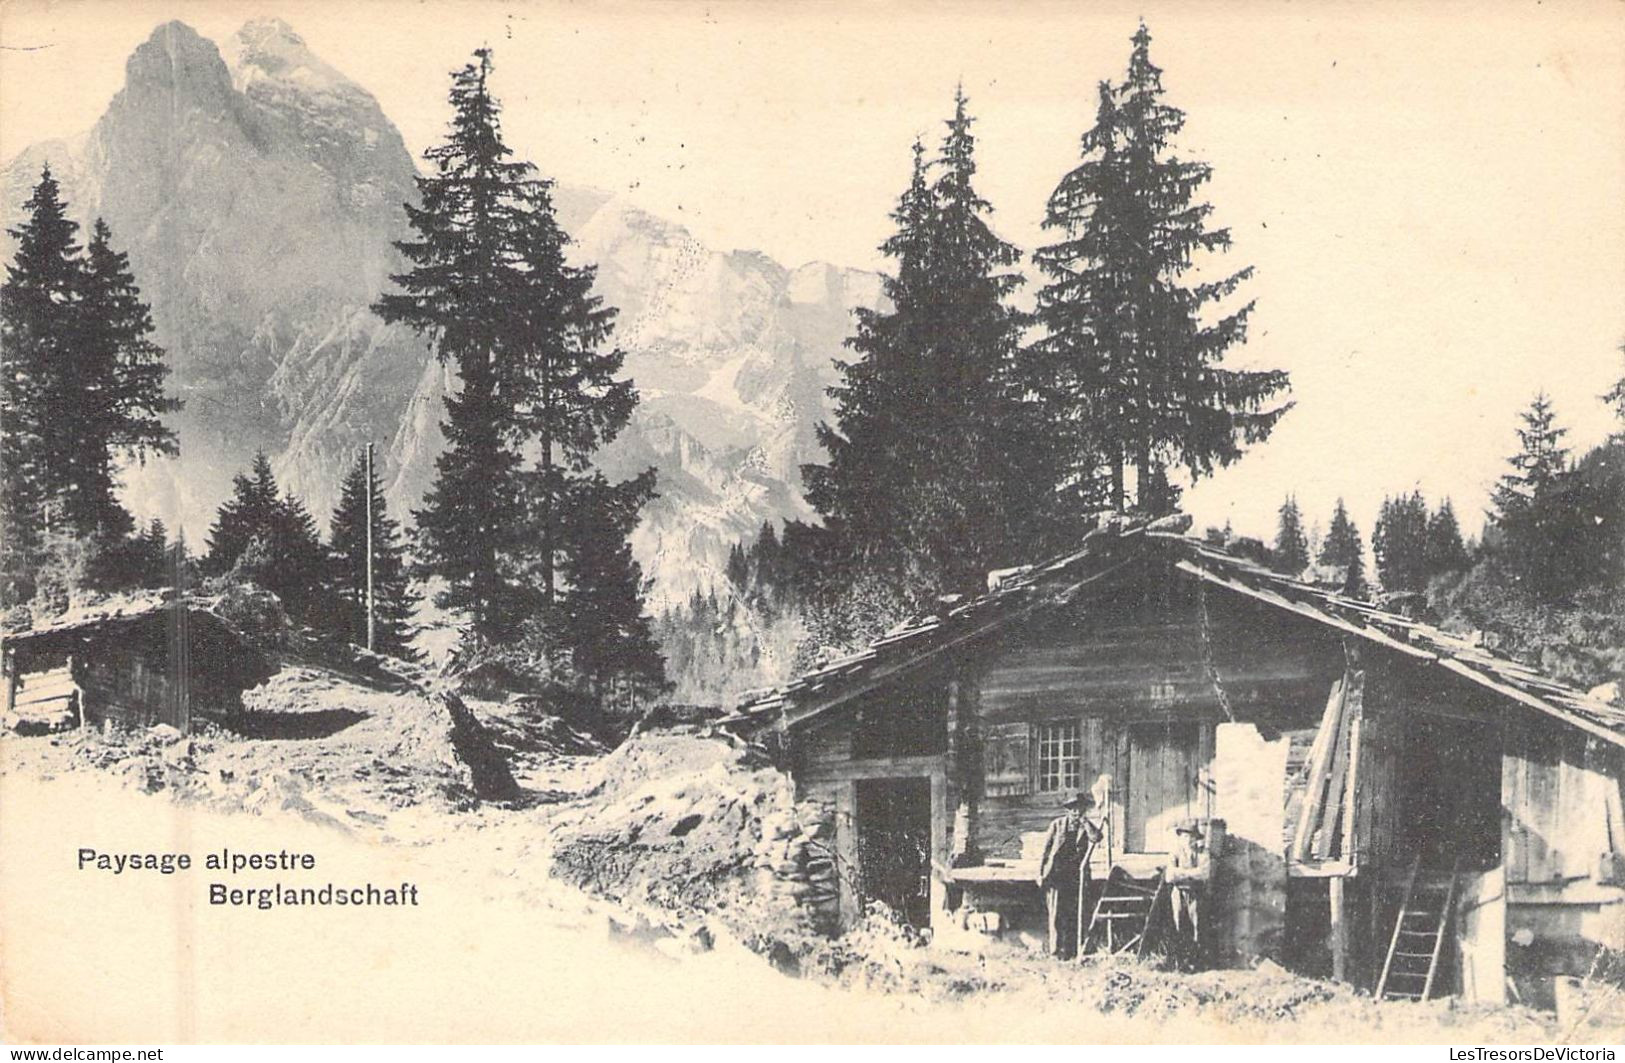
877,768
1354,792
1336,776
1339,931
1319,756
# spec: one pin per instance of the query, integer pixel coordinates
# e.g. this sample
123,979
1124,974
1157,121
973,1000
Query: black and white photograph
813,523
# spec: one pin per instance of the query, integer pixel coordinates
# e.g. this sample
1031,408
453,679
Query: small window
1059,760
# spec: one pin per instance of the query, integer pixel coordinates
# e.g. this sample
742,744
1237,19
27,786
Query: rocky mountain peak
176,61
267,50
269,33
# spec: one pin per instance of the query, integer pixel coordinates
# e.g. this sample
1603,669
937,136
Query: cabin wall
1564,844
1135,675
1184,705
128,687
42,696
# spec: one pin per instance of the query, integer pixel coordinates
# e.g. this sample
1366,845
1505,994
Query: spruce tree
465,292
1539,463
574,403
1400,543
1532,511
1291,553
152,551
1344,548
609,638
927,478
393,599
262,536
977,500
1445,551
250,511
38,323
1136,369
82,388
122,372
1615,398
491,287
859,490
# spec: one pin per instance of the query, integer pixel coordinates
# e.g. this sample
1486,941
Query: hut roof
1118,542
113,615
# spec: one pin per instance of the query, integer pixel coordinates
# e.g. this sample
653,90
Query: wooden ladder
1125,914
1419,934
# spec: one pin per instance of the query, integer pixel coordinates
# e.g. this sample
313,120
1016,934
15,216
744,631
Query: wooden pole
1339,929
1083,873
370,600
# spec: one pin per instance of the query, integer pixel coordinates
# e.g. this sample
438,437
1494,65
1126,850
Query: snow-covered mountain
258,190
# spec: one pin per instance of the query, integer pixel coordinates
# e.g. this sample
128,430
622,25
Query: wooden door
1163,762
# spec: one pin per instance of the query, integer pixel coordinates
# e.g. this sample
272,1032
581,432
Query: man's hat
1077,799
1189,826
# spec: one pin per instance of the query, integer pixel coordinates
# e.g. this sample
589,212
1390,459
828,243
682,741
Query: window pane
1059,750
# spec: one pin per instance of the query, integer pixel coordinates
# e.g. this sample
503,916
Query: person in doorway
1063,870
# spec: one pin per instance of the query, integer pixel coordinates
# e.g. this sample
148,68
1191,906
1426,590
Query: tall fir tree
250,511
1445,550
859,490
1291,552
1344,548
464,292
574,404
1533,512
38,305
1615,398
1135,368
1399,541
82,388
610,640
153,550
122,398
1539,463
268,538
926,472
393,599
491,287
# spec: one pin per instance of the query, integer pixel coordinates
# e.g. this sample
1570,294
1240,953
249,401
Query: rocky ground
650,865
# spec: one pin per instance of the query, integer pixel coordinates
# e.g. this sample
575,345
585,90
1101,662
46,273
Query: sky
1433,194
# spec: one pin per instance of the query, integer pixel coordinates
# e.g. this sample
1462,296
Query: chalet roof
1121,541
106,613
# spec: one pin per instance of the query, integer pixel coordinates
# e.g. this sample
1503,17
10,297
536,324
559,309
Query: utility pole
369,548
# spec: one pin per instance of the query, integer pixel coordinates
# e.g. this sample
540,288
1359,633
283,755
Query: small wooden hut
1350,769
130,663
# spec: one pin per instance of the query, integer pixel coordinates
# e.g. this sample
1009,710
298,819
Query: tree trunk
547,517
1145,490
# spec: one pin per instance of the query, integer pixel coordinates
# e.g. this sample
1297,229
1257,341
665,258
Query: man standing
1186,878
1063,869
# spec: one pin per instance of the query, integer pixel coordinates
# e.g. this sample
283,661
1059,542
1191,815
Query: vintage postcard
812,522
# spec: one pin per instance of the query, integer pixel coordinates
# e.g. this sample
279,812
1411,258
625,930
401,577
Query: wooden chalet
1382,802
131,663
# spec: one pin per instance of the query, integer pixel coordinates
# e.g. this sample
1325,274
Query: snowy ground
498,949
